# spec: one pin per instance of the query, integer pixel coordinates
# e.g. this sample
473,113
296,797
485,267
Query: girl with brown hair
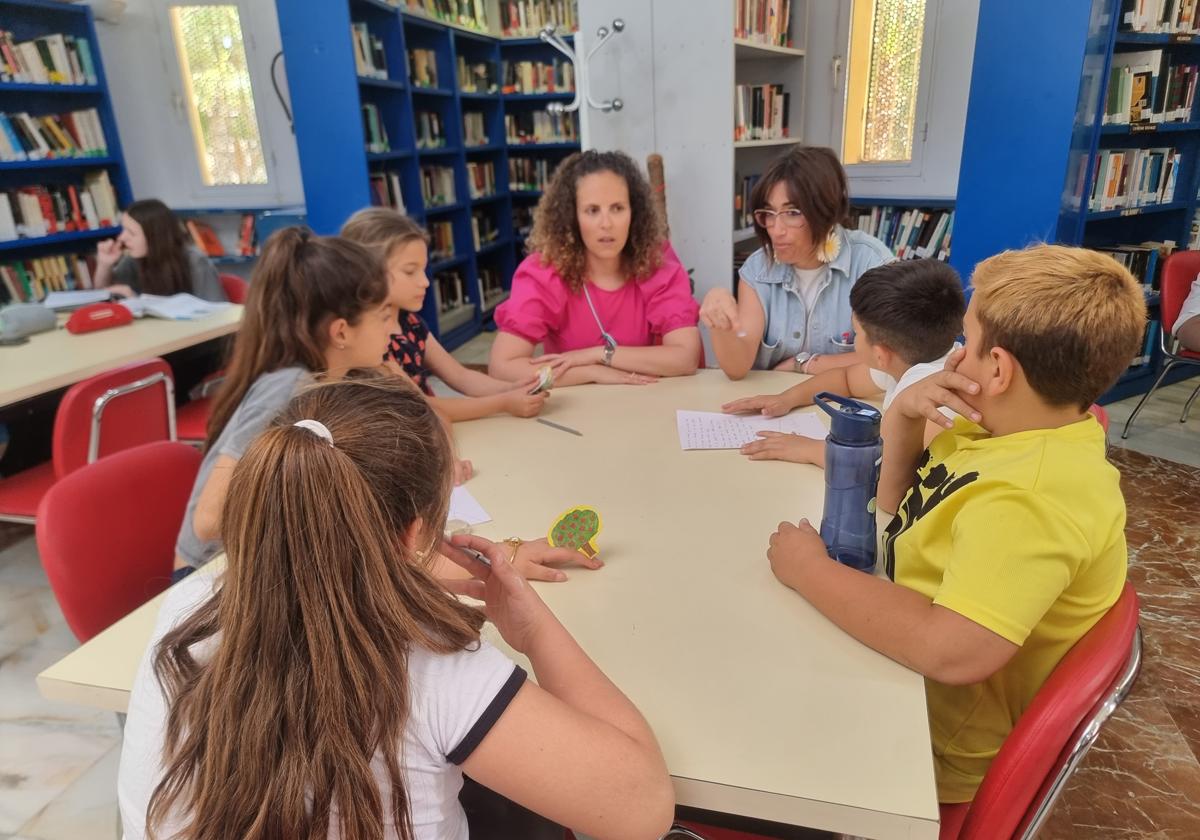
316,304
403,246
327,685
792,310
153,254
602,291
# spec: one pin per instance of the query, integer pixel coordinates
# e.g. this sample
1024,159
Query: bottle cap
850,421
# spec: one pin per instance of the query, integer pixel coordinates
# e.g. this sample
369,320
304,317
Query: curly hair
556,236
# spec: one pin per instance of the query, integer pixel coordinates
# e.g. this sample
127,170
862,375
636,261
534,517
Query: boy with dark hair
1009,543
906,315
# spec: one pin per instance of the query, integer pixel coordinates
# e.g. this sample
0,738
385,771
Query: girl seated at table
603,291
403,246
328,685
153,254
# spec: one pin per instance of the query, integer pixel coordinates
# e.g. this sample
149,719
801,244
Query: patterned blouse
407,347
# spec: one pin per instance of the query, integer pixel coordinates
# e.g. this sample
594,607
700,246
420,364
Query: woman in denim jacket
792,311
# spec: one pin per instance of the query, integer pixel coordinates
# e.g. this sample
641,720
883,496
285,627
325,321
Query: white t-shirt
808,284
454,701
1191,306
891,387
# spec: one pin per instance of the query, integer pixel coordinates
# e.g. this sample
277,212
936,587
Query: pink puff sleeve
537,304
668,294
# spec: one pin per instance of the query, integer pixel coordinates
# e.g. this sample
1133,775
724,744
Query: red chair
235,288
106,533
1180,269
1049,740
124,407
1101,416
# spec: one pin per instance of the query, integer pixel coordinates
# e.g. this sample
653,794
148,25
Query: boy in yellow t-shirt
1009,541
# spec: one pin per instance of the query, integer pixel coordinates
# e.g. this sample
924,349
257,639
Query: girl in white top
327,685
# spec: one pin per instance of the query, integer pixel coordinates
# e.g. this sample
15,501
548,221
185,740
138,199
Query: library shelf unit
29,19
477,244
1030,164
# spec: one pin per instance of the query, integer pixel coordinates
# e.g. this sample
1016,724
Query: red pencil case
98,316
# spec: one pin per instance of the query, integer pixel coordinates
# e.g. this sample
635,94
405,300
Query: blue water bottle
853,451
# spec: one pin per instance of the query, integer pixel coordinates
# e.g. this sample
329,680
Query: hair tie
317,428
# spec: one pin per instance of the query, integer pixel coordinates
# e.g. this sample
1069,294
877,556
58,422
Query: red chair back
106,533
235,288
124,407
1027,772
1180,269
1101,416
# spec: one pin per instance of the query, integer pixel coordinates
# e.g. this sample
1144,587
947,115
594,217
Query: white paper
180,307
713,430
464,507
75,299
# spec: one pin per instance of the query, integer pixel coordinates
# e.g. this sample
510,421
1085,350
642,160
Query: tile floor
58,763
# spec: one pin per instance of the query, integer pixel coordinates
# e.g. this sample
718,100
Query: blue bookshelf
1030,159
340,176
28,19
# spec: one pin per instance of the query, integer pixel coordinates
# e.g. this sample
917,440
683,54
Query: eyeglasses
791,218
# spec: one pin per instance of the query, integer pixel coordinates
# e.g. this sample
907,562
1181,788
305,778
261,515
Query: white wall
153,125
953,47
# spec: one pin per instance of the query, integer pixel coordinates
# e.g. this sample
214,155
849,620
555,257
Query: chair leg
1138,408
1187,406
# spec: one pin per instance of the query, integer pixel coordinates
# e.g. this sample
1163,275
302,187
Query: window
882,84
218,95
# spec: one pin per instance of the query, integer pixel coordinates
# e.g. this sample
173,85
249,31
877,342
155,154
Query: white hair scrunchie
317,428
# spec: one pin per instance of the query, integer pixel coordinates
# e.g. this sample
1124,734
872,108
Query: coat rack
603,34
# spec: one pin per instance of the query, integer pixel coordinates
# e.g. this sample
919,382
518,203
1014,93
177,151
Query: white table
762,706
56,359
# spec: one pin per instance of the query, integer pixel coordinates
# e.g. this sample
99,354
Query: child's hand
108,251
922,399
463,470
768,405
779,446
520,403
559,363
792,548
535,560
613,376
509,601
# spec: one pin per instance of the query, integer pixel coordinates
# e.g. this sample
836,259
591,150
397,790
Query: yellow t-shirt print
1024,534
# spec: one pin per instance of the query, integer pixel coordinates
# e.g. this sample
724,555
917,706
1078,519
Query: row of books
555,76
1149,339
49,60
522,215
525,18
1148,87
449,294
1166,16
743,210
34,211
28,281
477,76
437,186
210,244
911,232
369,57
469,13
1194,233
422,68
374,129
385,190
763,21
528,174
491,287
481,178
431,134
760,112
474,129
71,135
441,241
540,127
1125,178
1144,261
483,229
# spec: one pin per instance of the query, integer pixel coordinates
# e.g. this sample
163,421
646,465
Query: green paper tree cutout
577,529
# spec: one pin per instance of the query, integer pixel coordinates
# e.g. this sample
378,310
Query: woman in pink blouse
603,291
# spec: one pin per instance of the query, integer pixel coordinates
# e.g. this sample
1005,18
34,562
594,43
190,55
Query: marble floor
58,763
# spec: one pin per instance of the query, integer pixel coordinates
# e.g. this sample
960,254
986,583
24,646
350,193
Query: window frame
223,195
914,168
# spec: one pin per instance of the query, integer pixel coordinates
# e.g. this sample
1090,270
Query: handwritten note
712,430
464,507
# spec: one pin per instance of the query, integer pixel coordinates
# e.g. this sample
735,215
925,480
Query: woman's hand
537,559
520,403
585,356
614,376
768,405
108,251
559,363
509,601
719,311
463,470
